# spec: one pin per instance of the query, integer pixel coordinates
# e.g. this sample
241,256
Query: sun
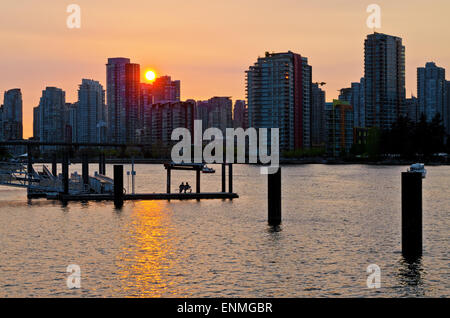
150,76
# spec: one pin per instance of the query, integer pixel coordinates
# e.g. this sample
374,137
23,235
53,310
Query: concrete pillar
274,197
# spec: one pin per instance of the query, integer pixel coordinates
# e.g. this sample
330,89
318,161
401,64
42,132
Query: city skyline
207,68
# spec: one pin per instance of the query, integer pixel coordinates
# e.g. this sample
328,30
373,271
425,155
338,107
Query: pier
83,187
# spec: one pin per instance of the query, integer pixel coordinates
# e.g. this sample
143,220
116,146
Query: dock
147,196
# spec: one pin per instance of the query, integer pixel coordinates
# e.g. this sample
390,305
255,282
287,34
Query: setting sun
150,75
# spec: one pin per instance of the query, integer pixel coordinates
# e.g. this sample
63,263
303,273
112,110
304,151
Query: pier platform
149,196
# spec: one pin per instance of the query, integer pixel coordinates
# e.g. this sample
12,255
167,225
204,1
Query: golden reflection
145,262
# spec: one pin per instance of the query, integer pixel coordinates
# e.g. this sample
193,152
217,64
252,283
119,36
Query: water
336,221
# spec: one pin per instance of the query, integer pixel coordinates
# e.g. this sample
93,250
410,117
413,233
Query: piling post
197,178
65,172
274,197
100,164
168,179
54,165
118,185
29,165
224,172
104,164
230,178
85,168
411,215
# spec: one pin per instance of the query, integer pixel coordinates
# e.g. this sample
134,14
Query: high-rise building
278,96
122,90
72,119
220,113
36,122
133,88
12,115
1,123
215,112
384,74
90,112
317,116
431,90
202,113
239,114
358,103
52,108
162,118
164,89
412,109
339,127
447,108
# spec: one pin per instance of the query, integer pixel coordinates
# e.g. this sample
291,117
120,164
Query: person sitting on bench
187,187
182,187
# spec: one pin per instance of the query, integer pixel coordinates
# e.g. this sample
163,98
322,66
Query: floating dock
147,196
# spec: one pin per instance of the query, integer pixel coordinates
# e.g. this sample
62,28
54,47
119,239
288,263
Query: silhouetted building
90,112
358,103
165,90
12,128
447,108
215,113
339,126
162,118
384,74
239,114
36,122
412,109
52,109
317,116
278,94
72,119
122,90
431,90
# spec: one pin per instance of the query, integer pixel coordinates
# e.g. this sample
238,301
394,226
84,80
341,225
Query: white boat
418,167
207,169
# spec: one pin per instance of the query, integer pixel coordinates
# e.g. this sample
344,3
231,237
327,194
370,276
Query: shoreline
282,162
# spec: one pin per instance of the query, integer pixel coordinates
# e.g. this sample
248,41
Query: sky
207,44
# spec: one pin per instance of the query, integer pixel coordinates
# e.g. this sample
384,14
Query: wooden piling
411,215
230,178
274,197
168,180
54,165
197,179
85,168
118,185
65,172
224,172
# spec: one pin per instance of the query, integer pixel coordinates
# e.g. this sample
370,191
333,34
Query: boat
418,167
207,169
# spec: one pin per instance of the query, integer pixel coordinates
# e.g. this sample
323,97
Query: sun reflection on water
145,261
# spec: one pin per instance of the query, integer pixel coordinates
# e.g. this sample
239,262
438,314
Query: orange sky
207,44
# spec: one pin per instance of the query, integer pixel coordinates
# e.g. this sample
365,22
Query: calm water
336,221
